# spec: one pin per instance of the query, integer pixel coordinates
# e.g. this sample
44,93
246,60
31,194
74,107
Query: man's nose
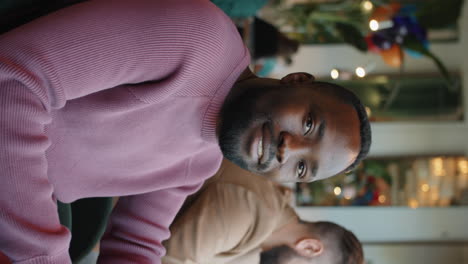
289,145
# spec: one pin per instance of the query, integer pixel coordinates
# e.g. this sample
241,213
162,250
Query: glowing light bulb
367,5
425,187
334,74
463,166
360,72
437,166
374,25
382,198
337,190
413,203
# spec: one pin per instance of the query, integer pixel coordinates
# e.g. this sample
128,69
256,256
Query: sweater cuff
61,258
125,260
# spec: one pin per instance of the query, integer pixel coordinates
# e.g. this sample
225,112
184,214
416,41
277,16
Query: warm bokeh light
367,5
348,192
437,166
413,203
374,25
368,111
463,166
425,187
334,74
382,198
337,190
360,72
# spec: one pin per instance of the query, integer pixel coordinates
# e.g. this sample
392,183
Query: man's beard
237,115
236,119
278,255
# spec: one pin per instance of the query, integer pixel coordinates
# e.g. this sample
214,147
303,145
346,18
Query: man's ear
297,77
309,247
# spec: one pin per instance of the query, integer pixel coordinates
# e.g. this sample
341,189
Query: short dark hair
365,131
347,243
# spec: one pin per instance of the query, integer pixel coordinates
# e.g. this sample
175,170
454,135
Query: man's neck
245,75
288,234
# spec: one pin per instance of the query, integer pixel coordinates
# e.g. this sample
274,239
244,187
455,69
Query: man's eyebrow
321,129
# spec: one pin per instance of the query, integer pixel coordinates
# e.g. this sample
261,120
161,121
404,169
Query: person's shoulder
186,18
214,53
232,177
230,173
216,33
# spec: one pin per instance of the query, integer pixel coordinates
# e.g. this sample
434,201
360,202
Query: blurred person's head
268,41
293,129
316,243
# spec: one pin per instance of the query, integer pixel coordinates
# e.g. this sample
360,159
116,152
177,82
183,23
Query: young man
239,217
124,98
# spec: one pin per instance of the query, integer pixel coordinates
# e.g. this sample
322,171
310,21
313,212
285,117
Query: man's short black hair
346,242
365,131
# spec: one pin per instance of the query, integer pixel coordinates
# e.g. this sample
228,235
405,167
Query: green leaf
416,45
352,35
377,169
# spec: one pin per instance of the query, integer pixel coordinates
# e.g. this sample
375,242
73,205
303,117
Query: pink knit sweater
110,98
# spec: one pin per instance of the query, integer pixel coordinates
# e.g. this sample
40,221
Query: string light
335,74
360,72
348,192
367,5
413,203
382,198
337,190
463,166
438,167
374,25
347,74
425,187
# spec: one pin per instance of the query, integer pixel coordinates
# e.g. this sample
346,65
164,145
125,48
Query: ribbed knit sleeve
30,231
140,223
101,44
75,52
138,226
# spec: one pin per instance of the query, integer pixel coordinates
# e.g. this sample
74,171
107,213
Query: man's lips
260,149
260,146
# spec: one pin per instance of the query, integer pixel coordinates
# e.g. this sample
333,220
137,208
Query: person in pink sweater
141,99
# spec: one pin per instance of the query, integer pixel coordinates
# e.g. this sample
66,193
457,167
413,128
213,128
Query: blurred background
406,60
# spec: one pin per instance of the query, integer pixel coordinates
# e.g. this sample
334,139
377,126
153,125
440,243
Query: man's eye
308,125
301,169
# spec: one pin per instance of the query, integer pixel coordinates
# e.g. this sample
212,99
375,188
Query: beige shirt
228,219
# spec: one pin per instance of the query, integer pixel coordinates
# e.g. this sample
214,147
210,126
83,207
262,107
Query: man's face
288,133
